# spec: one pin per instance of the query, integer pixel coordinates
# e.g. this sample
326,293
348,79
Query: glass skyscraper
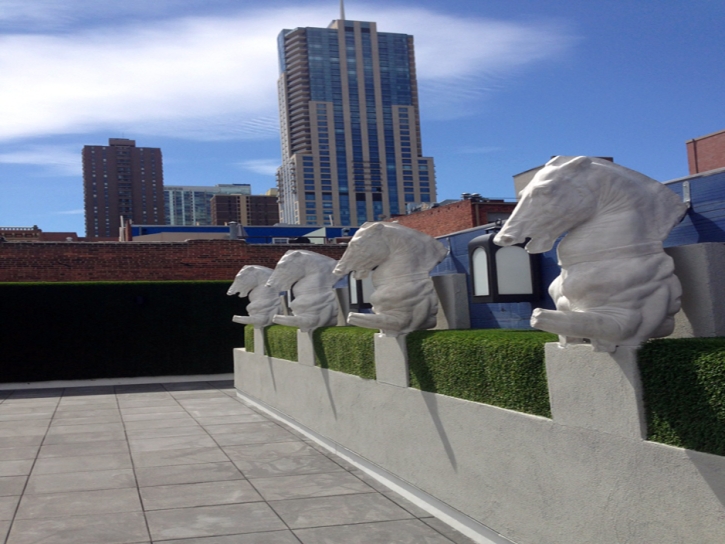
351,145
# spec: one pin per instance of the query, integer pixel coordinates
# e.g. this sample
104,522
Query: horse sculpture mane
264,303
308,275
617,285
400,259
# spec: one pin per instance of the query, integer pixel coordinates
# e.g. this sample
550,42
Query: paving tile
184,430
201,494
152,410
18,441
186,474
187,456
12,485
94,428
79,503
160,422
16,467
121,528
269,537
155,416
414,509
80,481
310,485
269,452
80,414
217,412
213,520
338,510
85,463
4,527
72,438
22,429
170,443
448,531
7,507
40,416
286,466
83,448
387,532
251,417
86,420
24,452
264,431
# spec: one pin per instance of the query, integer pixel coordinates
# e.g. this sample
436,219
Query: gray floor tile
159,422
17,441
105,461
170,409
76,414
12,485
80,481
338,510
21,430
17,467
218,412
80,410
226,420
79,503
86,420
310,485
187,474
448,531
4,527
42,416
269,452
202,494
184,430
372,482
119,528
149,416
170,443
213,521
7,507
286,466
271,537
82,449
72,428
76,437
248,433
386,532
188,456
25,452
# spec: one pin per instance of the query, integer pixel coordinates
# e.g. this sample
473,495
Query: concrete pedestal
391,360
259,341
305,348
453,304
596,391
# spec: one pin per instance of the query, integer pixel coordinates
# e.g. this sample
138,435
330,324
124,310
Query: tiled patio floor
182,463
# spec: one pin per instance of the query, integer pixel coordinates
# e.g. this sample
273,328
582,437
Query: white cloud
54,160
214,78
267,167
71,212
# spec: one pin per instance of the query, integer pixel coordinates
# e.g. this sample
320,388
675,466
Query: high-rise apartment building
245,209
191,205
121,180
350,127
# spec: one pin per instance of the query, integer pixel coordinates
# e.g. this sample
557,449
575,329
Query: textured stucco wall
531,479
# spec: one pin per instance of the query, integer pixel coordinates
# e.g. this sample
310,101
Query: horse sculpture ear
575,162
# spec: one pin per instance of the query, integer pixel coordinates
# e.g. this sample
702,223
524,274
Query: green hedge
346,349
70,331
249,338
504,368
281,342
684,392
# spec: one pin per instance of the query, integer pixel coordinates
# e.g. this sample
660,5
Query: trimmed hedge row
346,349
72,331
684,392
500,367
281,341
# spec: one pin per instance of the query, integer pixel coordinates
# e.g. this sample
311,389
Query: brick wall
140,261
706,153
453,217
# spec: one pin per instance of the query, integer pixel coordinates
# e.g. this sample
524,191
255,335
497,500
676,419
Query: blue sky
503,84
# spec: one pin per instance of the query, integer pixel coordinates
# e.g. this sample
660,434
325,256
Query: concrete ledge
391,360
531,479
117,381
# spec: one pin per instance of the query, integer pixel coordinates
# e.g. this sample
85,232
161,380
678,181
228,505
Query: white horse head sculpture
264,303
308,275
617,285
400,259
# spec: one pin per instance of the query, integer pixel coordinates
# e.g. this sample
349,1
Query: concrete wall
584,476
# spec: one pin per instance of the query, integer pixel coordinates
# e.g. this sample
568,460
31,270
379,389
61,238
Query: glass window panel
513,271
479,264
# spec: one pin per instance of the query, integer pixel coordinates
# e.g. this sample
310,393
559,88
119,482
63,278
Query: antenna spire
342,10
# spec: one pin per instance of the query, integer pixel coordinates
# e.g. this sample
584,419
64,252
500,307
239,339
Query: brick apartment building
706,152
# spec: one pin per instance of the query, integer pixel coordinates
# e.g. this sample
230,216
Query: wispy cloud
71,212
53,160
267,167
214,77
